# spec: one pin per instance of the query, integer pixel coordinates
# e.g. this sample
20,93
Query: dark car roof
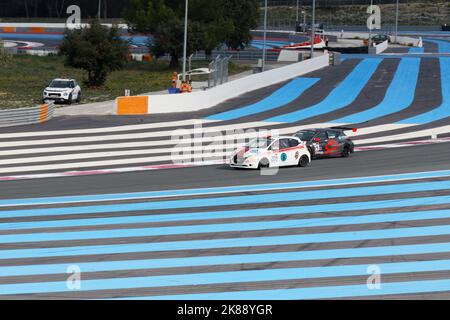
320,129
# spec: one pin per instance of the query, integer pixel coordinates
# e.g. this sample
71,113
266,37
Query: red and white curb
194,164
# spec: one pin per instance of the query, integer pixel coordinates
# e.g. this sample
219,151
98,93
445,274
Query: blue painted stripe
226,277
443,111
392,288
229,214
234,200
270,42
226,227
443,46
205,191
343,95
281,97
416,50
57,37
226,243
399,96
227,259
31,37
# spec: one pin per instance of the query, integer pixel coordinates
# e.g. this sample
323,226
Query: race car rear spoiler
345,128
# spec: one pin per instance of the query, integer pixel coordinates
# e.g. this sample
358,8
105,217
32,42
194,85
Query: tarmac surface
97,195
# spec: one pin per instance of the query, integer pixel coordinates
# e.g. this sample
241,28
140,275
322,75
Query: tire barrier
23,116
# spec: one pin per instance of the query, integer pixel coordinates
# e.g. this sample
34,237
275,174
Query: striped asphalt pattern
223,190
442,111
281,97
164,151
341,96
61,154
211,249
399,95
40,154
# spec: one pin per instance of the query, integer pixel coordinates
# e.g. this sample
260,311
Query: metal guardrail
23,116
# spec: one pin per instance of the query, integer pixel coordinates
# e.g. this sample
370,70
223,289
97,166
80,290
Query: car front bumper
243,164
56,99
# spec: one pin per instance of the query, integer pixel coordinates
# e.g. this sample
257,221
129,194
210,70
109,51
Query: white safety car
62,90
271,152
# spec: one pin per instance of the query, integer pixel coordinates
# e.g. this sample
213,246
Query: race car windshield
305,135
260,143
59,84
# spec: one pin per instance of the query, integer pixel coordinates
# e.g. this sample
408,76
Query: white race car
271,152
62,90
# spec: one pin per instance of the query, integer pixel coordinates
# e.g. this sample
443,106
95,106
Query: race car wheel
79,97
69,101
311,152
263,164
303,162
345,152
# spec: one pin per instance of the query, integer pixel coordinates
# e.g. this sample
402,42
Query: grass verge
24,78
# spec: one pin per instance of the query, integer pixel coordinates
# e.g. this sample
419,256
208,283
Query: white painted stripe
376,129
104,163
168,144
409,135
79,156
166,133
185,154
105,129
197,163
131,136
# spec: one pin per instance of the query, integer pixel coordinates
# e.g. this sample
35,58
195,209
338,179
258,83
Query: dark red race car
327,142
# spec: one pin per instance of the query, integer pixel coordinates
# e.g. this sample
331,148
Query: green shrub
96,49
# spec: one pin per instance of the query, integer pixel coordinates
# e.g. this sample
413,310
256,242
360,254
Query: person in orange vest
185,88
174,79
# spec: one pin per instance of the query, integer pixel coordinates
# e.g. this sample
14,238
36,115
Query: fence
23,116
220,69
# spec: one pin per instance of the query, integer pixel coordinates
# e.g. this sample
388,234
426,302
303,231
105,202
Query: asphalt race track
369,163
102,196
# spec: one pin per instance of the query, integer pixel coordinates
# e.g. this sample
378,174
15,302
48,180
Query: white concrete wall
289,56
382,47
408,41
205,99
379,48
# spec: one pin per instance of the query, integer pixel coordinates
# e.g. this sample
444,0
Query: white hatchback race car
62,90
271,152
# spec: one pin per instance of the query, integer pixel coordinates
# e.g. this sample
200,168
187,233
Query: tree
211,23
240,37
96,49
